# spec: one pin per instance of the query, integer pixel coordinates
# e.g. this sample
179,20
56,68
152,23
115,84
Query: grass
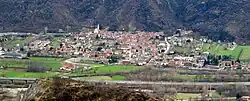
55,41
13,62
14,43
118,77
26,74
21,42
186,96
181,49
114,68
184,77
97,78
245,53
219,49
53,63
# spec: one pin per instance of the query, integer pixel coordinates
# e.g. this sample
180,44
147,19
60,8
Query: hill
218,19
69,90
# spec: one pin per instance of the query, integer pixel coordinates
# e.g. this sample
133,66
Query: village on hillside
181,50
99,54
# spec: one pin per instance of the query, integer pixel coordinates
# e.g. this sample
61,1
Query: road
145,82
172,83
168,45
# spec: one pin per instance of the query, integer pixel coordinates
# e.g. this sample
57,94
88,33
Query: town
99,54
129,48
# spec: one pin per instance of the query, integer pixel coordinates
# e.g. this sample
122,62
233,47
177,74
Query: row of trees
34,66
214,59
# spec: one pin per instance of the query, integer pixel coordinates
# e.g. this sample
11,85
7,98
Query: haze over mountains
219,19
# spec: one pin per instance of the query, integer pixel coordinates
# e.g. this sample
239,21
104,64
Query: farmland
116,77
7,73
20,42
241,52
186,96
114,68
54,63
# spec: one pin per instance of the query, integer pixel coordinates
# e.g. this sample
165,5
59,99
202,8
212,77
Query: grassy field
95,78
186,96
114,68
53,63
26,74
245,53
181,49
184,77
21,42
13,62
219,49
116,77
55,41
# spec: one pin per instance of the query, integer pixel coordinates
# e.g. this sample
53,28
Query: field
219,49
186,96
104,69
116,78
21,42
13,62
114,68
245,53
55,41
184,77
54,63
26,74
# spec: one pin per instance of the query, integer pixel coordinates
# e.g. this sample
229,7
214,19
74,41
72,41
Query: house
68,67
244,98
226,64
13,55
125,62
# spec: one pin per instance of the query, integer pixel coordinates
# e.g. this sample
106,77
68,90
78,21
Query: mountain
218,19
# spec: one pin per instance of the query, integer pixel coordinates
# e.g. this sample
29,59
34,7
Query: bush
36,67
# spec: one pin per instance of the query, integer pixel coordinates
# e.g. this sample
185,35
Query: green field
55,41
26,74
114,68
245,53
219,49
21,42
183,77
13,62
54,63
116,77
186,96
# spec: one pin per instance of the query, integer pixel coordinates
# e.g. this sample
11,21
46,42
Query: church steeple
97,30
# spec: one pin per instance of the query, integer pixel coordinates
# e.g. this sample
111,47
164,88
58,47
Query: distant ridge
218,19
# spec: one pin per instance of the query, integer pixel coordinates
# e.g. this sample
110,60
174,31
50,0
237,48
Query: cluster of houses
4,54
138,48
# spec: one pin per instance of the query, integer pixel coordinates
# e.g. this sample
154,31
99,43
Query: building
13,55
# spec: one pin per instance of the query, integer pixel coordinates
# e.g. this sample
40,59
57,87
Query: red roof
68,66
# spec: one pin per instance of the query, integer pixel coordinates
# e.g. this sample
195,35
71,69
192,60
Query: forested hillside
219,19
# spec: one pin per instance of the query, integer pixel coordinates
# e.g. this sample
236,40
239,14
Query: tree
34,66
113,59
